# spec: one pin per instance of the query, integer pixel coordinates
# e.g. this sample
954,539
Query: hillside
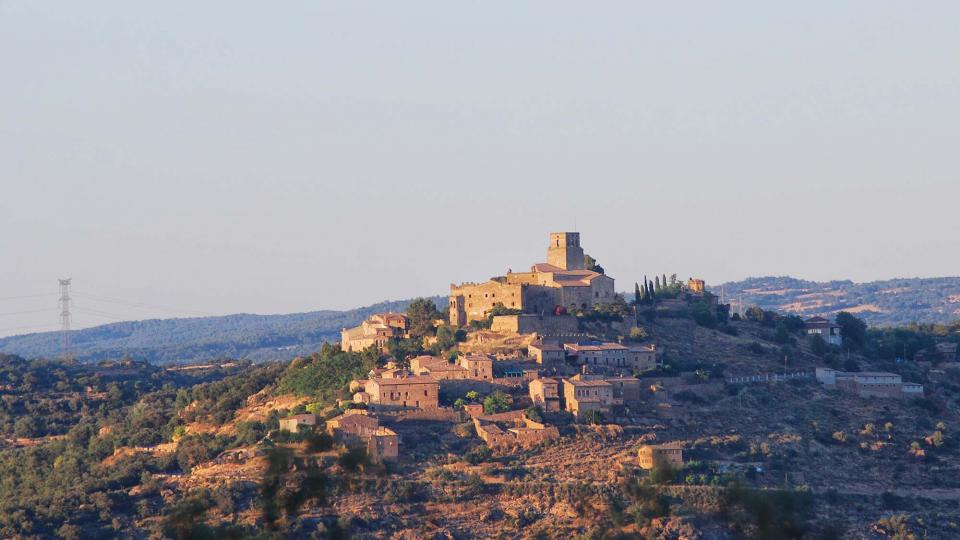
881,303
166,341
153,454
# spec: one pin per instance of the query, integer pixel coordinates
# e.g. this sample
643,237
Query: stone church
562,281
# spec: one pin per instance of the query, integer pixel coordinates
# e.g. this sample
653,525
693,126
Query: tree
637,296
593,416
638,333
446,339
656,287
817,345
853,330
496,402
420,316
591,264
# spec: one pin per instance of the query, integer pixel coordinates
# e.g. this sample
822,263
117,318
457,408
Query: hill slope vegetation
166,341
880,303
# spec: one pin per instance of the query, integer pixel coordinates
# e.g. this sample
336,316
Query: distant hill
881,303
168,341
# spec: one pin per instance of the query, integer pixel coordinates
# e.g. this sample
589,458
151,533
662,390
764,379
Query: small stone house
298,423
580,395
545,393
659,455
547,353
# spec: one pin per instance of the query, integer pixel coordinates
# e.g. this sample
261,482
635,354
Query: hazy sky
219,157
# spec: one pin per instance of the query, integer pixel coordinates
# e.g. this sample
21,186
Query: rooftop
417,379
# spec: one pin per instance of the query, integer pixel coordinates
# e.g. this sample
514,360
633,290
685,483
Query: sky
186,158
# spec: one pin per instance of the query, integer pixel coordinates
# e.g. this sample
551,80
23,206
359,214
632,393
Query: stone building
545,393
582,395
479,367
869,383
613,356
298,423
560,282
473,367
599,354
529,323
420,392
696,286
352,426
547,353
829,331
512,430
626,390
359,428
661,455
644,358
377,330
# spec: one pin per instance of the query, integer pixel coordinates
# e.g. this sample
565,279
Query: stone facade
607,356
417,392
376,331
869,383
644,358
512,429
581,396
353,426
696,286
661,455
560,282
298,423
547,353
529,323
830,332
359,428
545,393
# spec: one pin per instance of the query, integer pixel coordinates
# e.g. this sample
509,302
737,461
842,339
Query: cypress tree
664,281
656,287
637,297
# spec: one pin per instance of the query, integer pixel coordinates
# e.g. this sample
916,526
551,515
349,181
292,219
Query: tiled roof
580,382
421,379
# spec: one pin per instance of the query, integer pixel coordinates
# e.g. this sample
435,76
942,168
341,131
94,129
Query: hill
881,303
130,449
167,341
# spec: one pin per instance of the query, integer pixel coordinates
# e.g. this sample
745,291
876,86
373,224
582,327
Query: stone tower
565,251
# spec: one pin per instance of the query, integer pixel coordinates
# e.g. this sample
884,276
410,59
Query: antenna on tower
65,316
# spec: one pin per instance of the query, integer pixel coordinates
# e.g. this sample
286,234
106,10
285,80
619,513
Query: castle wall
473,301
530,323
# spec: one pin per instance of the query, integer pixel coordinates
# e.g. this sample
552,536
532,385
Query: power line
141,305
2,298
104,314
47,310
46,326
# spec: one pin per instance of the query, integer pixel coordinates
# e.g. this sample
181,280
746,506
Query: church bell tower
565,251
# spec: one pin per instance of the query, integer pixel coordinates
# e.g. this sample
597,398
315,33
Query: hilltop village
522,346
543,349
535,404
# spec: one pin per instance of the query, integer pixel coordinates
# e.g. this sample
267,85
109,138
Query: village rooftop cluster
524,344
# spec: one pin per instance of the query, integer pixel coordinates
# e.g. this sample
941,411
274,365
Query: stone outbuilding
653,456
298,423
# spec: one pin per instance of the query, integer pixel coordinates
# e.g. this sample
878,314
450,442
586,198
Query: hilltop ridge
888,302
168,341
